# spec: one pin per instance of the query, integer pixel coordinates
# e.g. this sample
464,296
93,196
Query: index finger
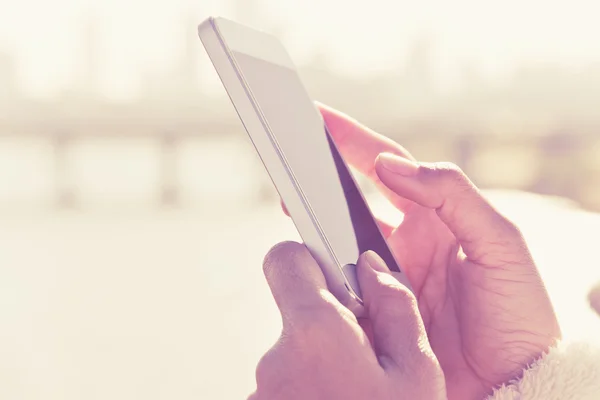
360,146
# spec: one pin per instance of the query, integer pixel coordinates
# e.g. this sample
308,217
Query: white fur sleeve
566,372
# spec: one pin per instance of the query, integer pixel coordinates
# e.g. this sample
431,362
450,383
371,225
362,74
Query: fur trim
566,372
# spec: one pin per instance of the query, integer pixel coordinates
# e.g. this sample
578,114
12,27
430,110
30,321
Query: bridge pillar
65,196
169,185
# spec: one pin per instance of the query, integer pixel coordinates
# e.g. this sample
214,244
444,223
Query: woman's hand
483,303
324,354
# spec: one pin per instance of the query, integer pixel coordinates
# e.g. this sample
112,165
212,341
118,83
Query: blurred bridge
564,162
64,133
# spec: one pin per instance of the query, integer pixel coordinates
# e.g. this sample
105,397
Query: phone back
290,136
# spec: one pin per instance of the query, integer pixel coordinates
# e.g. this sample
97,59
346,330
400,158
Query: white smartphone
289,134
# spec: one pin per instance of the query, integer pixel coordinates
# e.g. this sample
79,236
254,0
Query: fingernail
398,165
375,262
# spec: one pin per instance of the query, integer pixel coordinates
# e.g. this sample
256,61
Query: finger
386,228
398,332
296,281
477,225
284,208
365,324
360,146
594,298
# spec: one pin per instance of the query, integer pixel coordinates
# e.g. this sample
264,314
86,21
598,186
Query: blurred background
134,213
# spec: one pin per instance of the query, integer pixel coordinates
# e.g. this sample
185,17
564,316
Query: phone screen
313,161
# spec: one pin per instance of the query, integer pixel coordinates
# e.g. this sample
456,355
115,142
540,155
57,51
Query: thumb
399,336
297,283
458,203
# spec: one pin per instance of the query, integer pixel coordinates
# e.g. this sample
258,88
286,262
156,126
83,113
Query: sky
359,37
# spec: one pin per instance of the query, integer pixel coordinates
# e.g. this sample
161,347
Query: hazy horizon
48,40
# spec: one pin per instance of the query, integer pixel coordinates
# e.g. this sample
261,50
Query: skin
483,305
323,353
594,298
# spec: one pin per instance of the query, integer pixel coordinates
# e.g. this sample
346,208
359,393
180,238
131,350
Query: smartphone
291,138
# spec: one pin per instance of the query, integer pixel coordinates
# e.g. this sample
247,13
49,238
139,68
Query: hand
483,303
324,354
594,297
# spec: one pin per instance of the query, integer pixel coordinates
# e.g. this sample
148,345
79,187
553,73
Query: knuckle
450,172
448,177
429,365
315,322
508,236
395,293
316,328
394,299
512,228
262,370
265,368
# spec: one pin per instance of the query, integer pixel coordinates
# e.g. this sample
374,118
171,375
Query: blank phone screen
314,163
